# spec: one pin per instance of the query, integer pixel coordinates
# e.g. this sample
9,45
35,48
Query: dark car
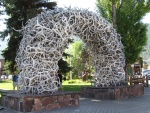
146,73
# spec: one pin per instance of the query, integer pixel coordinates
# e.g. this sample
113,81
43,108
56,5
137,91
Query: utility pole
70,66
114,13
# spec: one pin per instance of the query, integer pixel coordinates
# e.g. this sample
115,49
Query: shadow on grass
74,87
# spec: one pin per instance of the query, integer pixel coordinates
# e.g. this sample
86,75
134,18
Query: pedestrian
15,81
60,79
84,75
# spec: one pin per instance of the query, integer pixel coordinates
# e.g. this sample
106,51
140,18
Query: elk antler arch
45,38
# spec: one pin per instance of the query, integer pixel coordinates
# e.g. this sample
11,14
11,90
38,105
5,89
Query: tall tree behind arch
19,11
128,21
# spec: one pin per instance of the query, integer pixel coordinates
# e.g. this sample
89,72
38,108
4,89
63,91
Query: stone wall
115,93
28,103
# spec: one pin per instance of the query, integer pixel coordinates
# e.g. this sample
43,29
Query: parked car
146,73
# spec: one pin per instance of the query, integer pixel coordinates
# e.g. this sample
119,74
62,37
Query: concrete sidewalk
132,105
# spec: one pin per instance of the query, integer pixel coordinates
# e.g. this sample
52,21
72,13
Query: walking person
84,76
60,79
15,81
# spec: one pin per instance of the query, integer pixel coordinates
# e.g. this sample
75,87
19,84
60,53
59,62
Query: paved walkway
139,104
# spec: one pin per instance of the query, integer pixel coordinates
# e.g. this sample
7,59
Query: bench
132,80
138,80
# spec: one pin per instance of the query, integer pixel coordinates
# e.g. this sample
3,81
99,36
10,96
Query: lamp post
70,70
70,65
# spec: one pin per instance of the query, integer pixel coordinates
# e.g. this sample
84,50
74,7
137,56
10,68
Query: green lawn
7,85
74,85
71,85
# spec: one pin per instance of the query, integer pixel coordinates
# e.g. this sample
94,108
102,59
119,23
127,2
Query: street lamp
70,70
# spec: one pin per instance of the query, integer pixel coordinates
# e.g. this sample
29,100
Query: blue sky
88,4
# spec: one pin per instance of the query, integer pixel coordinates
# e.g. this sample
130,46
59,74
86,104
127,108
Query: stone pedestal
30,102
114,93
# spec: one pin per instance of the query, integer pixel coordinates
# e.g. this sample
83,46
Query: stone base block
30,102
114,93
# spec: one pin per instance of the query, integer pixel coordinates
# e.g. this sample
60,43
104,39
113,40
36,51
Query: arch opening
45,38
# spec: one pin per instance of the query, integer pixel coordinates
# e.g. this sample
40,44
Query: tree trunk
128,71
114,14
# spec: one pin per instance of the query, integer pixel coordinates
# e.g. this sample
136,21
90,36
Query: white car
146,73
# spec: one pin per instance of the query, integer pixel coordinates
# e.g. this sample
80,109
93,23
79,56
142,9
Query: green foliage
128,19
105,9
80,59
73,87
71,81
7,68
75,60
134,33
146,53
148,33
76,81
19,11
87,61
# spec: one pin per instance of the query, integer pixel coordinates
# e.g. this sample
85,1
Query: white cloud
87,4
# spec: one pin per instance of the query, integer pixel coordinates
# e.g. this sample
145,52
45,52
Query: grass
6,84
74,85
68,85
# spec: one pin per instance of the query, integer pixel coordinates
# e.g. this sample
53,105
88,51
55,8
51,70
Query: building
2,61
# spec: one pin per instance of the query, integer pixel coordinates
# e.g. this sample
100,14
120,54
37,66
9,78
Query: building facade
2,61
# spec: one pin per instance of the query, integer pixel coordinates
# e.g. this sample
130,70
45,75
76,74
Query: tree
128,24
87,60
80,58
75,61
146,53
19,11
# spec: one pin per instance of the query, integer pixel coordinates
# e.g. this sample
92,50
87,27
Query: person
60,79
64,78
15,81
84,76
